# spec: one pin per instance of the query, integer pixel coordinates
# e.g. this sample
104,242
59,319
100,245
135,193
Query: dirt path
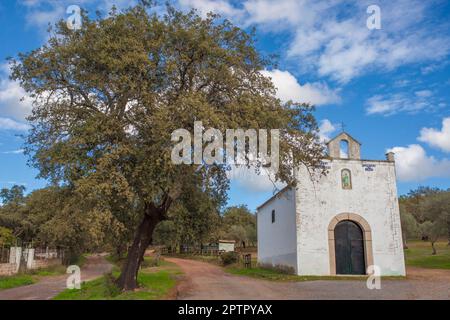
50,286
209,282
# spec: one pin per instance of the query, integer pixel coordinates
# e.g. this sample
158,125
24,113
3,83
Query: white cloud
289,89
14,101
413,164
437,138
326,128
250,180
9,124
19,151
331,37
401,102
424,93
221,7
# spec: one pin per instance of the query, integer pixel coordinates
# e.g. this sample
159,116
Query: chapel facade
338,223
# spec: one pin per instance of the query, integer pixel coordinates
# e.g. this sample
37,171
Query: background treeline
235,223
425,214
60,217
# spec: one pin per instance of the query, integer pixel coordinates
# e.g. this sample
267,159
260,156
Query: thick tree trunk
434,249
142,239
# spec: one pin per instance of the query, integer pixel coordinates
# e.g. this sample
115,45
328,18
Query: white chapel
338,223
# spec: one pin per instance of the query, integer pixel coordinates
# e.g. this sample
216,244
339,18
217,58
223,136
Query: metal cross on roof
343,126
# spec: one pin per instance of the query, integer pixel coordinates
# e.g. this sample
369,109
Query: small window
346,179
273,216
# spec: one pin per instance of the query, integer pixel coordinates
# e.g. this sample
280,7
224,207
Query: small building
338,223
226,245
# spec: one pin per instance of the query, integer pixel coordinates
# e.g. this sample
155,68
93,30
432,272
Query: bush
150,262
228,258
278,268
111,288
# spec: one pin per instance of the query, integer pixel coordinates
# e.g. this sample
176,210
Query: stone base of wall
7,269
38,264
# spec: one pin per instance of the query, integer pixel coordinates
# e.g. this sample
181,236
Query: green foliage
166,233
228,258
239,224
107,98
12,195
111,288
425,213
6,237
150,262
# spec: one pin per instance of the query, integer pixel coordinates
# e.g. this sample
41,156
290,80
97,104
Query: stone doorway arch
367,235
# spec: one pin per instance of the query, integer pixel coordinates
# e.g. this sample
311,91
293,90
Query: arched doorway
349,248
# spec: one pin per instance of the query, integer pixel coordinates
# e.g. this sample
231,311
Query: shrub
278,268
111,288
150,262
228,258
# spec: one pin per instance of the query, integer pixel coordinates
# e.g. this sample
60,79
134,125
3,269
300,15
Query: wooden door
349,248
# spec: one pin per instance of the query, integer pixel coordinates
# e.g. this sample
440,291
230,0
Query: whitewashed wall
277,242
373,196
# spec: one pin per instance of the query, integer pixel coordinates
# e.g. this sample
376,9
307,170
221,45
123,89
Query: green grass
419,254
154,283
8,282
276,275
33,276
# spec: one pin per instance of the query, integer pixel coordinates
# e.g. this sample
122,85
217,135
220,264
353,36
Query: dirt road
50,286
209,282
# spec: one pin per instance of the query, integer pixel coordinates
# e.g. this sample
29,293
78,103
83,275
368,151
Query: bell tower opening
344,146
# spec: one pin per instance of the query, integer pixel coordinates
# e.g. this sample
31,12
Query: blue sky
390,86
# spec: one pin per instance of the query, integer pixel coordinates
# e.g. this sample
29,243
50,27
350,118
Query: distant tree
6,237
14,194
436,210
239,224
238,233
238,215
57,216
166,234
410,227
108,96
414,198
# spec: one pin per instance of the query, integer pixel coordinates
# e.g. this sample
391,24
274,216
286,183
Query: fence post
30,258
15,254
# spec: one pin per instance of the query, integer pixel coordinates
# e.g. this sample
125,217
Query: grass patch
209,259
276,275
419,254
154,283
8,282
49,271
32,276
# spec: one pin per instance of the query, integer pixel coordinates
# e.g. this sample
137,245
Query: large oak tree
108,96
